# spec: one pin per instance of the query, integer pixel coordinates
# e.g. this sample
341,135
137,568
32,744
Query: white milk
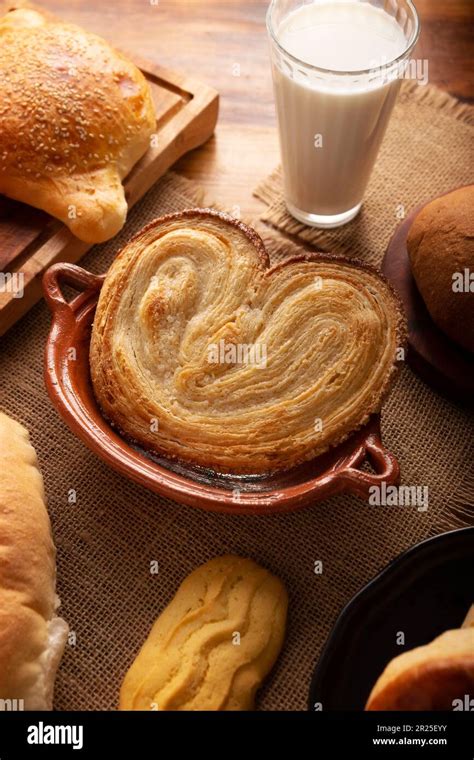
331,126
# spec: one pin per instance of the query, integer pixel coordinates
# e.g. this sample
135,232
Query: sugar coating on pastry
215,642
202,353
75,116
429,677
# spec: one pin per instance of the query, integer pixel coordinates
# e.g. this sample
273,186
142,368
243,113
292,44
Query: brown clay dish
69,387
439,361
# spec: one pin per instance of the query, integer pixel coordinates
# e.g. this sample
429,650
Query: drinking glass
331,123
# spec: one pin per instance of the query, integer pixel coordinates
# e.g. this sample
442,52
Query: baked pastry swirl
201,352
75,116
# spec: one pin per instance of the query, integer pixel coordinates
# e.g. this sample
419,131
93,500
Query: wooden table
223,42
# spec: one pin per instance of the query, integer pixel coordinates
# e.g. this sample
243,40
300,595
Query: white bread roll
32,638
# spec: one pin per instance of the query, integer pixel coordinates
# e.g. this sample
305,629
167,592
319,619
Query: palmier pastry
214,643
32,636
202,353
75,116
431,677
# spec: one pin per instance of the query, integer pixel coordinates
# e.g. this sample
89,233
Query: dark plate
423,592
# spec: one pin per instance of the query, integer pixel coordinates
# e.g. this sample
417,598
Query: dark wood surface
223,42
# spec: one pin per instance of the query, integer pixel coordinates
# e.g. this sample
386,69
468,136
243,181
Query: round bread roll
441,250
32,637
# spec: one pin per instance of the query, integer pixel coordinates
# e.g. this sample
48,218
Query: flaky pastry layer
202,353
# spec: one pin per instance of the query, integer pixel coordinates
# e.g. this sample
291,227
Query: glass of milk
337,68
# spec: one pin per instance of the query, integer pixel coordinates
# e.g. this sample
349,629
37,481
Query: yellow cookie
215,642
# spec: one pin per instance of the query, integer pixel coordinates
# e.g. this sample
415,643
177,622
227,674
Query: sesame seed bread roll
213,645
75,116
32,637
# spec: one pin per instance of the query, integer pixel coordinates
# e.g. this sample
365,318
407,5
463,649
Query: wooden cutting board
31,240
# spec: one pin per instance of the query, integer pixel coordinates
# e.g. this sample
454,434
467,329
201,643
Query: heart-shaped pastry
75,117
201,352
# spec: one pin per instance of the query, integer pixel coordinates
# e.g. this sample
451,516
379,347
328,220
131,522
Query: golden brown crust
193,283
430,677
215,642
196,213
441,247
31,637
75,116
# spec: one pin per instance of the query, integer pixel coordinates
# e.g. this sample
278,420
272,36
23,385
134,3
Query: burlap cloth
108,538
